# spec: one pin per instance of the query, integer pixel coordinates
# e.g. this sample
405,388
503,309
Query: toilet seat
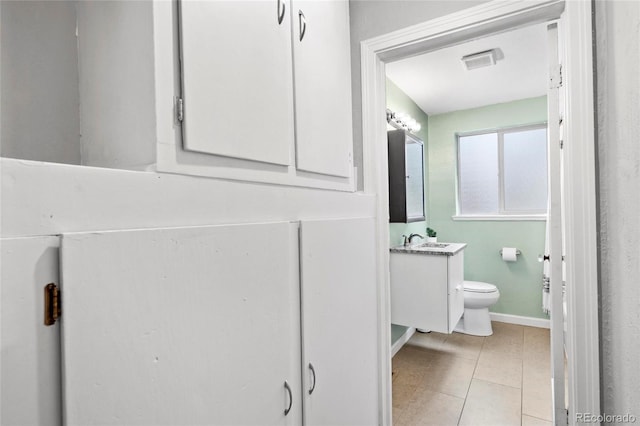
479,287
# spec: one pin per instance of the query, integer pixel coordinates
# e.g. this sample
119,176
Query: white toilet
478,296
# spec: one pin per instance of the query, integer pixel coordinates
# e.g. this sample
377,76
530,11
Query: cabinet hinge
179,109
52,304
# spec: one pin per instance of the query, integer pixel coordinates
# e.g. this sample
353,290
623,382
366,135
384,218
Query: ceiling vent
480,59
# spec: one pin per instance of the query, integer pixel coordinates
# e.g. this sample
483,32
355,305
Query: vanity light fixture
402,120
479,59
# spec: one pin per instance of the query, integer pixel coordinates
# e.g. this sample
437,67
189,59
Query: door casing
579,172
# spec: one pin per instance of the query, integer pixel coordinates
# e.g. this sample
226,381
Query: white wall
39,87
117,103
617,27
371,18
50,199
63,100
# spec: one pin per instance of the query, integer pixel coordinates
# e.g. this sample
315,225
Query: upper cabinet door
237,79
182,326
322,70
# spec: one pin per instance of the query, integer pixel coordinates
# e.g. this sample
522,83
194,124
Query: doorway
582,349
485,133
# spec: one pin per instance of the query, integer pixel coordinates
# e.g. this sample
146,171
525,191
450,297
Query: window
503,172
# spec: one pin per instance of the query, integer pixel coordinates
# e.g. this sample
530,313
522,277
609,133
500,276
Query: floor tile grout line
537,418
484,339
463,346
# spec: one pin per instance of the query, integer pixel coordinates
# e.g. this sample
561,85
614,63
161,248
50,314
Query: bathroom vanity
427,285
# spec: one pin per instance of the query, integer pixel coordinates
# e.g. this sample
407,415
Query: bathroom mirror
406,177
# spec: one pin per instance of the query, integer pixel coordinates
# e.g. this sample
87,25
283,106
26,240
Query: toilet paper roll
509,254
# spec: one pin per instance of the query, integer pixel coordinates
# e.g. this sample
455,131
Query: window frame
501,213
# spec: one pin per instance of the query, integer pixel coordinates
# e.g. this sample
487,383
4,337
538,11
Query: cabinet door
322,72
30,391
339,312
181,326
419,292
406,177
455,270
237,79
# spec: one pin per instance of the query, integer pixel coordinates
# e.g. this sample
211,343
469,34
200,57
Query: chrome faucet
407,240
414,235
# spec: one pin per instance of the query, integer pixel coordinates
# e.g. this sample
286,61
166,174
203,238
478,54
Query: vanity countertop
441,249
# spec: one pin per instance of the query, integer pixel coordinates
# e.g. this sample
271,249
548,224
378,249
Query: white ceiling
439,82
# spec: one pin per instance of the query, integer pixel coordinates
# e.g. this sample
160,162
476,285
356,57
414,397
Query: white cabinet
204,325
30,368
427,290
266,92
237,79
339,316
203,88
323,94
238,85
182,326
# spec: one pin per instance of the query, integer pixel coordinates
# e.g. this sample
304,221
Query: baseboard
520,320
402,340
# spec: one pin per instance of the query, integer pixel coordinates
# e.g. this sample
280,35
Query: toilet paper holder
518,252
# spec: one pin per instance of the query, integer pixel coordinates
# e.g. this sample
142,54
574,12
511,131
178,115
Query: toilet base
475,322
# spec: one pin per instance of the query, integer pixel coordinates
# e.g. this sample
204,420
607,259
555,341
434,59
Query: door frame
582,343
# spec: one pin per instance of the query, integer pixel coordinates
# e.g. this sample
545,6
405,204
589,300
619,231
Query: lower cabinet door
339,321
419,292
180,326
30,385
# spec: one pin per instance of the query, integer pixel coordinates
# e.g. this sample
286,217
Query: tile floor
456,379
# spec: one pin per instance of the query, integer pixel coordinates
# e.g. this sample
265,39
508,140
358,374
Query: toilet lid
479,287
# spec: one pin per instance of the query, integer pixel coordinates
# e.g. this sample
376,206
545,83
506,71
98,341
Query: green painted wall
520,283
398,101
